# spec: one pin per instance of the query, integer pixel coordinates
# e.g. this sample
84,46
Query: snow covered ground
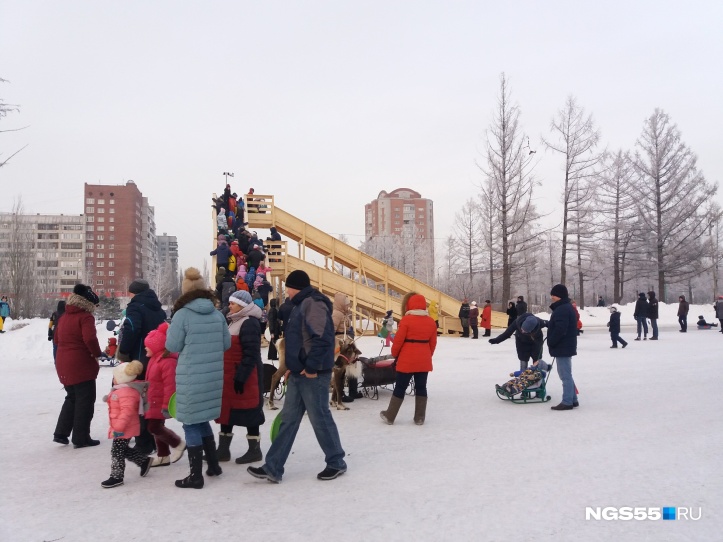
647,434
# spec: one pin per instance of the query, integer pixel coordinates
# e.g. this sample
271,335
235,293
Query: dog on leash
346,365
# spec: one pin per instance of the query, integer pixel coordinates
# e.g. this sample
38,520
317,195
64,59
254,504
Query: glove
118,434
493,341
50,338
166,414
238,386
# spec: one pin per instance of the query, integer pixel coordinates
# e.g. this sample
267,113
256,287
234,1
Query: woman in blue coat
199,334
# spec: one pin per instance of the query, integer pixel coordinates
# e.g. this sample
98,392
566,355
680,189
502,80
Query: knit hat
86,292
474,303
127,372
529,324
240,297
298,280
192,280
613,309
138,286
559,290
156,340
389,313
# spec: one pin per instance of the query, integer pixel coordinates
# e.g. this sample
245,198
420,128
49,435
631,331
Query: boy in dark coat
614,325
683,308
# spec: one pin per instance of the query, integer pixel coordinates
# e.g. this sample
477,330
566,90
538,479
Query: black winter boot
254,453
195,479
224,445
209,446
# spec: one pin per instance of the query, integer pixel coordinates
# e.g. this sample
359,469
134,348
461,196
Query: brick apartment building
398,213
113,236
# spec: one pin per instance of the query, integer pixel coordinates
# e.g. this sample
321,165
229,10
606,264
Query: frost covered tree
575,136
671,200
5,109
616,208
509,185
467,232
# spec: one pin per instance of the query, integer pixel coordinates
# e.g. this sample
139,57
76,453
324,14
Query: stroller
528,386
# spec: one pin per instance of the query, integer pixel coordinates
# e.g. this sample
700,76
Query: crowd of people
206,364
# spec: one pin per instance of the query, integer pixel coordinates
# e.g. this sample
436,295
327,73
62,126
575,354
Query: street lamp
226,175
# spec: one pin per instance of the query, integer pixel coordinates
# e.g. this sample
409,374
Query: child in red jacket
124,405
161,377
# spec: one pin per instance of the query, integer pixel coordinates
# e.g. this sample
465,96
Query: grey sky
324,104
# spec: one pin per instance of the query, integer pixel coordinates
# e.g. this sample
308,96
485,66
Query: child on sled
524,380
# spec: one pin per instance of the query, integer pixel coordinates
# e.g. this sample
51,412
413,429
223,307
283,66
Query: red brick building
113,238
399,212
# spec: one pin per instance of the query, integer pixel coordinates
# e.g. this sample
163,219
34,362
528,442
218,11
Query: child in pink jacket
161,378
124,406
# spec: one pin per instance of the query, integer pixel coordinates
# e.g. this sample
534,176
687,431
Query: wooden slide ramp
372,286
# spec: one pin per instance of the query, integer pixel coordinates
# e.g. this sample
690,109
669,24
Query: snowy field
648,433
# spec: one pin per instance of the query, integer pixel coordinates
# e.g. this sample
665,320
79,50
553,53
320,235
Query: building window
101,219
111,255
101,228
90,219
111,247
112,202
111,264
89,228
100,209
111,228
100,255
100,238
88,254
90,201
89,210
101,201
99,282
89,246
111,237
111,274
99,264
111,219
111,210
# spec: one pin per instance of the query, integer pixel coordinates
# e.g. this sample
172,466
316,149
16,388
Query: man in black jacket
562,343
464,317
528,338
641,315
143,314
521,305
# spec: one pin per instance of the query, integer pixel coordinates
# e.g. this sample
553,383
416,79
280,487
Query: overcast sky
325,104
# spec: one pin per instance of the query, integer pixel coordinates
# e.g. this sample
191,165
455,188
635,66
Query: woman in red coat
413,347
487,318
77,366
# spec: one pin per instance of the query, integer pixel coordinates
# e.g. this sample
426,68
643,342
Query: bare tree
510,184
6,108
616,208
466,229
490,230
671,197
576,138
18,265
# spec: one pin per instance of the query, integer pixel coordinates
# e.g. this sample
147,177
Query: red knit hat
156,339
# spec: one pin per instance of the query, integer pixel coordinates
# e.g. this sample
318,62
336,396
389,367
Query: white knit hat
127,372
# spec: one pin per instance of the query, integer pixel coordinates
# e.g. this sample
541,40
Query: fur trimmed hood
79,301
186,298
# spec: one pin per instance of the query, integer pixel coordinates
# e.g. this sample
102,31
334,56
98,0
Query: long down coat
199,334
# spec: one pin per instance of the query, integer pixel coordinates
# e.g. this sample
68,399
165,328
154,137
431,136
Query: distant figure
614,325
473,315
487,318
719,310
653,314
434,312
641,315
683,308
511,313
521,306
4,311
600,301
464,317
702,324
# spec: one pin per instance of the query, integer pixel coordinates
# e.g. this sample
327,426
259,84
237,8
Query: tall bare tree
510,183
18,266
671,196
467,233
616,208
576,138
